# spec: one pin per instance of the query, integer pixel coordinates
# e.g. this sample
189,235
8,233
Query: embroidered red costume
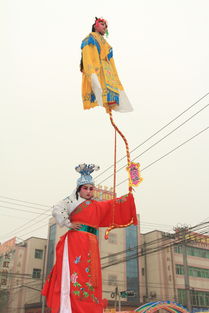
85,295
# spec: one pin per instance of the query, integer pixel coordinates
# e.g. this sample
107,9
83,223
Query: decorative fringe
108,230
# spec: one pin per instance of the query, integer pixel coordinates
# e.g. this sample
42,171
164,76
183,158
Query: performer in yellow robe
101,85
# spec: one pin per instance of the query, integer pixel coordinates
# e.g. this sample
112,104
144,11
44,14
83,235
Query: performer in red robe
75,283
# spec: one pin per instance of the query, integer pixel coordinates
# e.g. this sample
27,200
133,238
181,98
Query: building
22,272
6,264
175,267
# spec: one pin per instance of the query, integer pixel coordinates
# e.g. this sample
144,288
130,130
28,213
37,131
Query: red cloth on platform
83,250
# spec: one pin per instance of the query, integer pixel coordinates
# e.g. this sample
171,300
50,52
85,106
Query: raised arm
120,211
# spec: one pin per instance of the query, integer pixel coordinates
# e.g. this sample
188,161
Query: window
199,298
7,256
51,248
182,296
38,254
177,249
4,273
112,238
112,280
193,271
3,281
6,264
36,273
179,269
193,251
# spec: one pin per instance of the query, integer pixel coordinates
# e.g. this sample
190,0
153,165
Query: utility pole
43,276
116,297
145,271
186,272
119,302
182,233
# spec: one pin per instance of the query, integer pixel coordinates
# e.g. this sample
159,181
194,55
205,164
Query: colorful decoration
101,87
134,174
169,306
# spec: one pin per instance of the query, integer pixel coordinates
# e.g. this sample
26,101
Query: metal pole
116,297
43,276
173,274
119,302
186,273
145,272
42,304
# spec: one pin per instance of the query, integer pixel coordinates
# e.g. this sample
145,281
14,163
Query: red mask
100,25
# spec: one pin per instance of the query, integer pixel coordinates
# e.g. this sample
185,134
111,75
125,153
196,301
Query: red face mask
100,26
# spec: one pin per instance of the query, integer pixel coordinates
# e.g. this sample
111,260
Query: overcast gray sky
161,50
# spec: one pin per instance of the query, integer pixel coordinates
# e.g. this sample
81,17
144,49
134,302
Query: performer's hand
75,225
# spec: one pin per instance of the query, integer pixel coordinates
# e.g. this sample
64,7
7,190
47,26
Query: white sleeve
61,211
97,89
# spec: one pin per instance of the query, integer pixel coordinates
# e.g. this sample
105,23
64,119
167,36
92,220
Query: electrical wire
169,152
157,142
43,205
157,132
21,210
153,250
22,205
124,157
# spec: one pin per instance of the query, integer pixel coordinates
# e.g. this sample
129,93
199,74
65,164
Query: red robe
83,250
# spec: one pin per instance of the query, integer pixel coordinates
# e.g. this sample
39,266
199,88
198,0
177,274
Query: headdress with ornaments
85,170
101,20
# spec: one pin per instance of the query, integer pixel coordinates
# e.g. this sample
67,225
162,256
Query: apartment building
175,269
22,271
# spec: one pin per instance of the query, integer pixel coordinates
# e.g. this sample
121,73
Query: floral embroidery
86,294
85,290
74,277
76,292
89,285
94,298
82,206
122,199
78,259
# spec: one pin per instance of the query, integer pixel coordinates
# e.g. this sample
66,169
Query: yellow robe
97,58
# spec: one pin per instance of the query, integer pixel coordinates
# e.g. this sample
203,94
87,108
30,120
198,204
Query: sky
161,51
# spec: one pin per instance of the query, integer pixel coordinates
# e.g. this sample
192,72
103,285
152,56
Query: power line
157,132
157,241
36,229
131,151
22,205
148,251
26,224
24,201
158,141
134,159
171,151
154,242
13,216
15,209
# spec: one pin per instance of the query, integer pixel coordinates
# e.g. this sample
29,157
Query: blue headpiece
85,170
